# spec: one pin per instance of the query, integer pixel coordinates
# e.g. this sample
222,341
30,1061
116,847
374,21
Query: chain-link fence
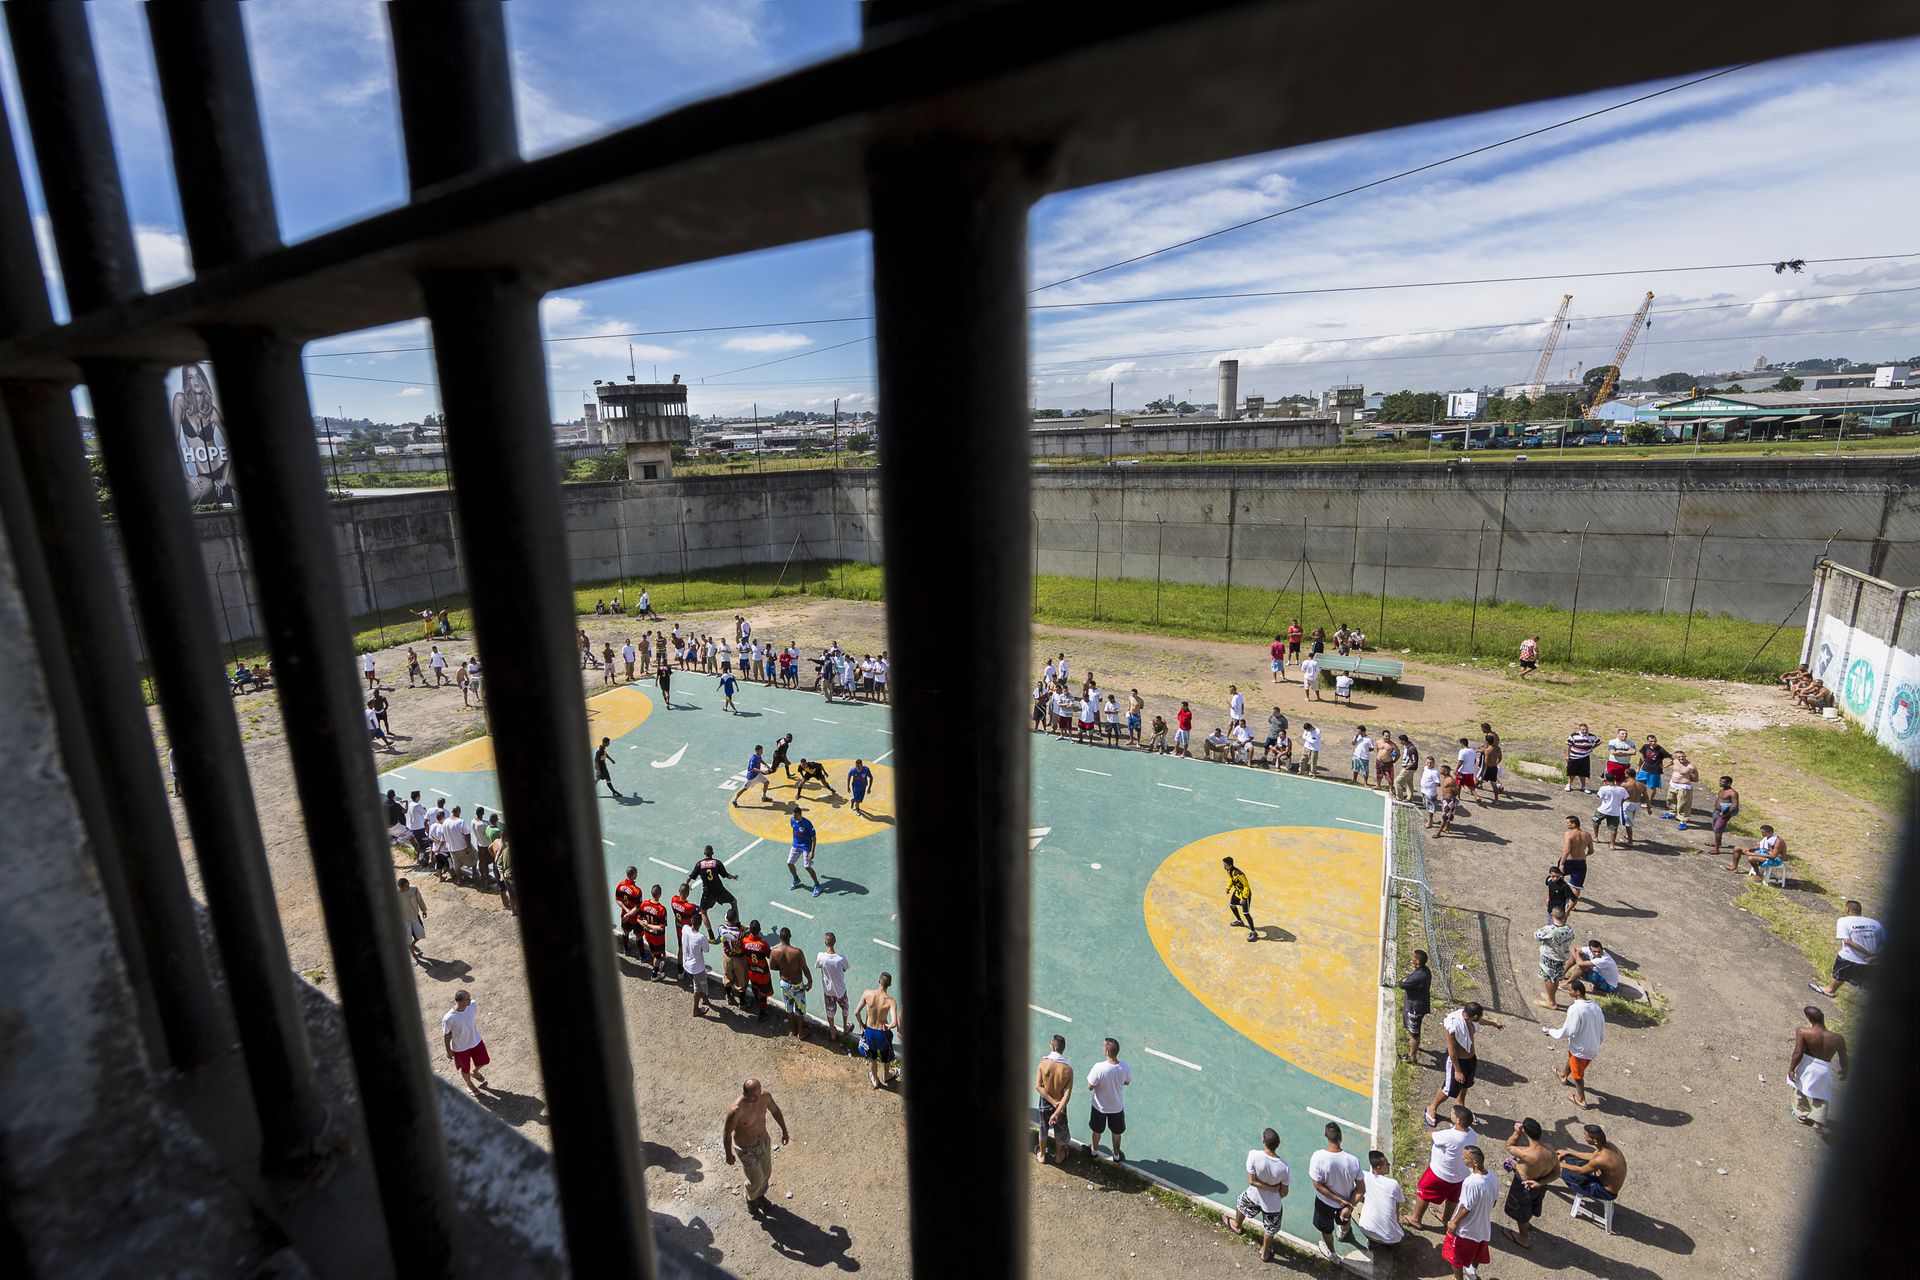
1407,883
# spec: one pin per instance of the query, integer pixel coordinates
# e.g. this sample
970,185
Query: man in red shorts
653,931
1471,1226
1446,1170
460,1033
626,896
759,977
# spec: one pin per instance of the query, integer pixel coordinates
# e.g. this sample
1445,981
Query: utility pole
836,433
1109,424
759,452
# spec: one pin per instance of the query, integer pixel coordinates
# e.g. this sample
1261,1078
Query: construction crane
1639,322
1539,380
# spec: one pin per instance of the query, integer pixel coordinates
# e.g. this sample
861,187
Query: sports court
1131,931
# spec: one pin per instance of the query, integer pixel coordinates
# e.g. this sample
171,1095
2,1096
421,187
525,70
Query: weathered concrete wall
1631,533
408,463
1188,437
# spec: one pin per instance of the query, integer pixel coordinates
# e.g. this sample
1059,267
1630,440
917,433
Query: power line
1395,177
795,356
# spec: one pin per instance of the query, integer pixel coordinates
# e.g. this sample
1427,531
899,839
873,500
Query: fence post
1096,566
1473,621
1303,567
1579,563
1036,562
1233,509
1159,539
683,555
1698,556
1386,550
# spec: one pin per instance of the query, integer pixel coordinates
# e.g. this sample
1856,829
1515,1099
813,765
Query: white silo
1229,390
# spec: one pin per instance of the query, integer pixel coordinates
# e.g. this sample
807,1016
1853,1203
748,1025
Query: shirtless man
1574,852
1053,1083
1812,1069
878,1014
746,1131
1598,1174
1534,1164
795,981
1638,801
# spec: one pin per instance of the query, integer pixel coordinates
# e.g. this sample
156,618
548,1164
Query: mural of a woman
202,437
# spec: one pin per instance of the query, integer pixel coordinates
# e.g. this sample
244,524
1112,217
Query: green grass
1717,648
1809,932
393,480
1623,1011
1851,761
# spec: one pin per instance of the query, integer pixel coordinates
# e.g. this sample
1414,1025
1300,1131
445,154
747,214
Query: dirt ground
1698,1102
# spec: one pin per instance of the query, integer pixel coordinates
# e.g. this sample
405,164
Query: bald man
746,1131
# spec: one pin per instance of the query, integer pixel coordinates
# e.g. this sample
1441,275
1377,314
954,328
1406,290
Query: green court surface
1225,1036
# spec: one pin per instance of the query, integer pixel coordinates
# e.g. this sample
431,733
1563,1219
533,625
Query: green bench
1362,667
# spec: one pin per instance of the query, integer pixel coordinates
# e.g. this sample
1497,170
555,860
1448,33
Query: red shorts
1436,1190
475,1058
1467,781
1616,772
1577,1067
1464,1253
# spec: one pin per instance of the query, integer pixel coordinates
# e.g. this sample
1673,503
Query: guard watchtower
647,417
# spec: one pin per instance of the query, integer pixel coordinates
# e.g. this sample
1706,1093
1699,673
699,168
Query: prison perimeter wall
1721,536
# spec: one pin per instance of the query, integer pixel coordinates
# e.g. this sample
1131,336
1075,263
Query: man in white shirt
1310,678
1380,1201
693,963
1471,1226
456,833
1343,687
1109,1112
1265,1195
832,968
1236,707
646,603
629,655
1089,715
367,666
1584,1030
1362,762
1335,1174
438,661
1243,745
1612,807
417,826
460,1034
1620,756
1446,1170
1861,937
1309,749
1467,766
1457,1072
1594,965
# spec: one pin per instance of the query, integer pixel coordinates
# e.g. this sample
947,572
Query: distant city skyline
1763,165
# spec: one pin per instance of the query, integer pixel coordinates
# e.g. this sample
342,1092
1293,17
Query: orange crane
1539,380
1639,322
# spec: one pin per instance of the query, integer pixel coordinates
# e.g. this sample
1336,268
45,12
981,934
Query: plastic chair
1774,875
1600,1211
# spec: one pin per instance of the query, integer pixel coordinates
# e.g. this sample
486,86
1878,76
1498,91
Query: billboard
201,435
1463,404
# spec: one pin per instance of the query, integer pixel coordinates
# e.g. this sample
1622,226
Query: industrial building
1715,415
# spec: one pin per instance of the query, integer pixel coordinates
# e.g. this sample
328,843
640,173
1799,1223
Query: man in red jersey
626,896
759,976
653,930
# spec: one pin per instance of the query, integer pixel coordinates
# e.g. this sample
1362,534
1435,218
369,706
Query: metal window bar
938,133
1407,879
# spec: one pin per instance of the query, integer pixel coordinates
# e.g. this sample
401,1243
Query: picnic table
1386,670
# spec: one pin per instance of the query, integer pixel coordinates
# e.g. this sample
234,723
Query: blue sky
1802,158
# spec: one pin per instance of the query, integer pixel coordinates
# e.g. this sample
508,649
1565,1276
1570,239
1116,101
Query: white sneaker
1569,786
1327,1249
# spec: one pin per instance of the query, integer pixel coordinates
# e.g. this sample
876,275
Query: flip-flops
1428,1117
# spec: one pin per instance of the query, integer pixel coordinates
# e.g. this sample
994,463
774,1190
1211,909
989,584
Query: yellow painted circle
610,715
1307,990
832,814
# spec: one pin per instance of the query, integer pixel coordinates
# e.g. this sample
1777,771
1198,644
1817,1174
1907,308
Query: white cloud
1112,372
764,342
411,391
580,339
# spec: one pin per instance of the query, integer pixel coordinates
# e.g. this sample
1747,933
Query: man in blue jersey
727,685
756,772
801,853
859,782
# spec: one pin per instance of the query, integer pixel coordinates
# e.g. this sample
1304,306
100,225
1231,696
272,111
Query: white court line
1050,1013
1095,772
888,732
797,911
777,711
1262,803
401,776
669,866
1169,786
891,946
1328,1115
881,759
1355,822
1193,1066
744,852
818,720
610,844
